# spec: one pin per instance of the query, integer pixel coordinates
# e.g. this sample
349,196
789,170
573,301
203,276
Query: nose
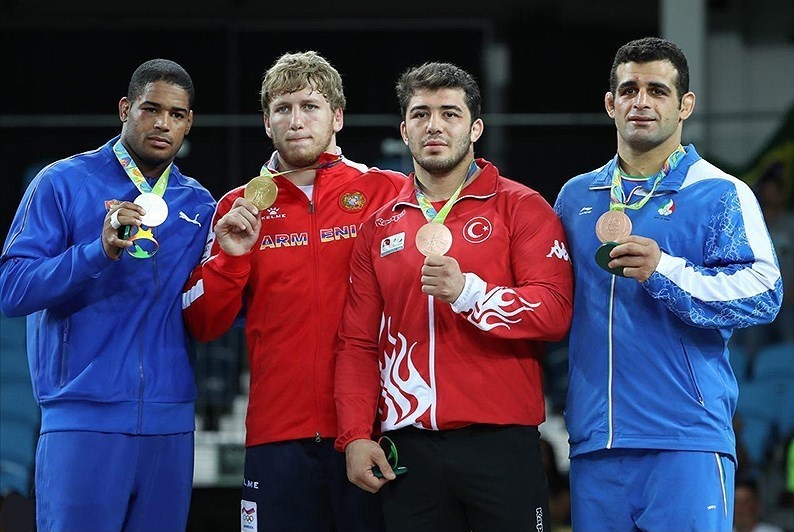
434,123
296,119
642,99
163,121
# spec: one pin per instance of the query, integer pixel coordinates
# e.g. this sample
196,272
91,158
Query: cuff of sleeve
232,264
664,270
345,438
470,294
97,258
667,264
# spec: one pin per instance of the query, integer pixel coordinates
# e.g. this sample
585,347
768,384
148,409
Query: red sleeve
357,382
539,306
213,296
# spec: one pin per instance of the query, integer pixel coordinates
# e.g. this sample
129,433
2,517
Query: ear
339,120
609,104
687,106
189,121
268,131
403,133
124,109
476,130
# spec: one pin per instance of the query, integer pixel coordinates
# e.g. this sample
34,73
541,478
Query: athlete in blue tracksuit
107,348
651,392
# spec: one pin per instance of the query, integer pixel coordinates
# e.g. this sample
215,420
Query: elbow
202,335
11,304
11,309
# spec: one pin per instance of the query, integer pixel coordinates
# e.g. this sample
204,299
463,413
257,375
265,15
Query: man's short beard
441,166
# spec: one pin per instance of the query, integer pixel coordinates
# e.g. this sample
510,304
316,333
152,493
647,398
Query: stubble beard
302,157
438,165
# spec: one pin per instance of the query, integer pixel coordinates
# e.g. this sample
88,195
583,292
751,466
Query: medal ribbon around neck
262,191
434,238
150,198
617,197
428,210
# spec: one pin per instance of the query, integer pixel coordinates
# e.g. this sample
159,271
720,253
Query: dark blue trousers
302,485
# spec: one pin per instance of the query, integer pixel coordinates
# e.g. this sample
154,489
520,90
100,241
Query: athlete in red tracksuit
443,352
293,284
287,266
431,356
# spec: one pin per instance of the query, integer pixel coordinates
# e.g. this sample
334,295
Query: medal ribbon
135,175
138,179
267,172
427,207
617,197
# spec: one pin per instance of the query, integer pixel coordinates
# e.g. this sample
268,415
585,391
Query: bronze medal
261,191
612,225
433,239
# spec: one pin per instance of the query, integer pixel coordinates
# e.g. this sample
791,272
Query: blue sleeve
738,285
42,266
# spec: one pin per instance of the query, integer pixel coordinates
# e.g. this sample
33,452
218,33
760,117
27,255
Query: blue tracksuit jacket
107,347
648,364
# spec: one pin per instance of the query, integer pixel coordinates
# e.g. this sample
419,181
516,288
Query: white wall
749,89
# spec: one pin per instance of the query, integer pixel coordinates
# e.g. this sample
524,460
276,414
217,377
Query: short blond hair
294,72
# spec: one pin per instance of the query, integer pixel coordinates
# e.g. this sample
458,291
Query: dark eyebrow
653,84
159,106
443,108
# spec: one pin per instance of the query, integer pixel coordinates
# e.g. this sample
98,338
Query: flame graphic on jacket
492,310
404,399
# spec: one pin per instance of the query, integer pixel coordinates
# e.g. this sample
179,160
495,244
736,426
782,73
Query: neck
305,177
148,171
441,186
646,163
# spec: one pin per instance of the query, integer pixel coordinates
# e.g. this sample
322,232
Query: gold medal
433,239
612,225
261,191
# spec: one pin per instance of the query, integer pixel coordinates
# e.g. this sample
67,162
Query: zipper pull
317,437
311,207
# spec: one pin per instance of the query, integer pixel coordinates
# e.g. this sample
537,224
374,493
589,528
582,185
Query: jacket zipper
610,362
317,300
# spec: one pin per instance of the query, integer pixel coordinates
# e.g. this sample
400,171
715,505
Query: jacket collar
325,157
481,188
671,183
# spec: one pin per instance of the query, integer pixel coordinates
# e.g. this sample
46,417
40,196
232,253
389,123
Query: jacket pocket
692,376
63,359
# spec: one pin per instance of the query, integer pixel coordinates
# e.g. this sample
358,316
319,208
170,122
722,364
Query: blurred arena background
542,65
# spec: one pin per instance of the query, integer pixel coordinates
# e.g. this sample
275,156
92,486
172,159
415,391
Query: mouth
434,144
640,119
160,142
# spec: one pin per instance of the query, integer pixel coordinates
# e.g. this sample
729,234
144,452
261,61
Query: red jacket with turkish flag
413,360
292,286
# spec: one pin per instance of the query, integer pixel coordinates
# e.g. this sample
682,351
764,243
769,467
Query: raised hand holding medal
615,224
435,238
144,245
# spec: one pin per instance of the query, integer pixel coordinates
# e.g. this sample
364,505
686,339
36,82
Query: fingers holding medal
121,216
610,227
